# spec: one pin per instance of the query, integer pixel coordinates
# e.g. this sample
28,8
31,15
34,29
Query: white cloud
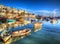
54,11
44,11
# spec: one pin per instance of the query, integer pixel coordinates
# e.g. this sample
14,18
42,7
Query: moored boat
53,21
21,32
37,26
6,38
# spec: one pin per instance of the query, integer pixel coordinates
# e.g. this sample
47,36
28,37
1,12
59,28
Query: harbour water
49,34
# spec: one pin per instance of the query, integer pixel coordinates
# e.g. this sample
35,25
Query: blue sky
33,5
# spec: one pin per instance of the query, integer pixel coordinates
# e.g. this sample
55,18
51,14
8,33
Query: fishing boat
53,21
6,38
37,26
21,33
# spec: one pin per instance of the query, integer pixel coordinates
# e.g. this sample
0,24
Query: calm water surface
50,34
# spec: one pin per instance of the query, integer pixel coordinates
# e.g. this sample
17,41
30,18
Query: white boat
37,26
21,33
5,39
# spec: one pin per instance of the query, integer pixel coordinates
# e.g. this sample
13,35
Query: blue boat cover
9,20
30,26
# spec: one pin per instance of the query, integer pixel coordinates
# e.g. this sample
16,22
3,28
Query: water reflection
43,36
50,34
